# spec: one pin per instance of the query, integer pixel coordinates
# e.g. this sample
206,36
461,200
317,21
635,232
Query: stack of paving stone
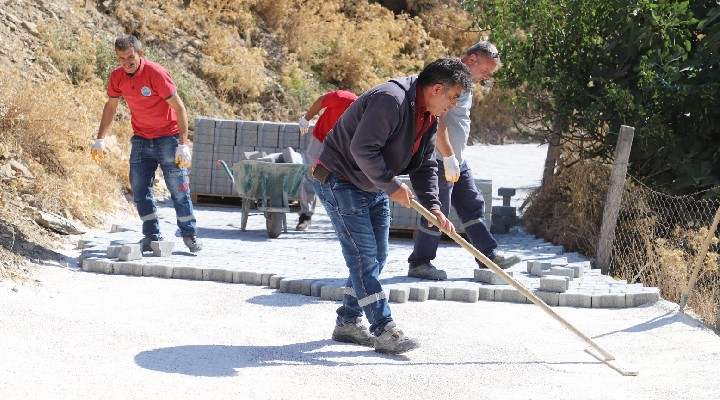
404,218
504,217
230,141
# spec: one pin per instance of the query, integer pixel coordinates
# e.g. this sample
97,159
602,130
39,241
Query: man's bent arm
177,104
107,116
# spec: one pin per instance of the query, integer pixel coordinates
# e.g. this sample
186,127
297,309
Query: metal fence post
614,198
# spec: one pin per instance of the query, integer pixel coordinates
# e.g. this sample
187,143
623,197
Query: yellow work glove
97,151
452,168
182,156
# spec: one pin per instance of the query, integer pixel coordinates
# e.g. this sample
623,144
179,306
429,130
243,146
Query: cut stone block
162,248
251,155
466,294
271,158
216,275
510,295
608,300
190,273
575,300
99,265
540,268
159,271
113,251
503,191
561,271
486,293
489,276
265,279
251,278
130,252
550,298
504,210
528,265
334,293
646,296
128,268
275,281
419,293
436,293
290,156
85,243
399,295
557,284
315,289
577,270
120,228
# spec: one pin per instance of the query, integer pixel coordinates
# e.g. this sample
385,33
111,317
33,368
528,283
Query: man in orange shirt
334,103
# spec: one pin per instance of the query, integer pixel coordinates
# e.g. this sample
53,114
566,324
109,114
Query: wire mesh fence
657,241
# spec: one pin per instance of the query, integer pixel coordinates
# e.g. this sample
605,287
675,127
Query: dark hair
447,72
485,48
125,42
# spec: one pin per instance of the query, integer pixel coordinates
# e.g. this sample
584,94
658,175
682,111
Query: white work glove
97,151
182,156
452,168
304,125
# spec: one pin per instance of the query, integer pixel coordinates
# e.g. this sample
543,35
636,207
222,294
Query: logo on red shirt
145,91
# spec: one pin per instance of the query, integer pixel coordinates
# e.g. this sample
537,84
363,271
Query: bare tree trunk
553,151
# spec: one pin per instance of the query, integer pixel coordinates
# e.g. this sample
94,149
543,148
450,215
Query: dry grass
53,133
656,240
568,209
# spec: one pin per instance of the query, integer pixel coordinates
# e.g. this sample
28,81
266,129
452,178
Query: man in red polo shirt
160,137
334,103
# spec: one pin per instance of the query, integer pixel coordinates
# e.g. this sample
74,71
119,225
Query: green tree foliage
650,64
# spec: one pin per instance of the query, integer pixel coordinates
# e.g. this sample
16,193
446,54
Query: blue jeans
145,156
470,207
362,222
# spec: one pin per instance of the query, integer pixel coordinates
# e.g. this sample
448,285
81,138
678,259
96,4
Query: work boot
354,332
145,242
502,262
303,223
192,243
427,271
394,341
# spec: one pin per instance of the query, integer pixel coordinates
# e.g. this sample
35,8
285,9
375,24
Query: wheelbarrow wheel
274,223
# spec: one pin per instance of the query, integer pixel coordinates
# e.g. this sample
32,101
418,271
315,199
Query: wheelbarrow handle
227,169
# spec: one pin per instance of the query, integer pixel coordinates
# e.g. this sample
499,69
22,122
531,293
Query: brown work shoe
354,332
502,262
394,341
427,271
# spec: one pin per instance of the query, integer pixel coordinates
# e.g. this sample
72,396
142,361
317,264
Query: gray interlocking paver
162,248
130,252
419,293
127,268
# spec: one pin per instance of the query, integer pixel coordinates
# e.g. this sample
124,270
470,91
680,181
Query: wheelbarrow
269,186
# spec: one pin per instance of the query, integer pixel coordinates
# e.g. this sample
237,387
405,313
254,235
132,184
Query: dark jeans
470,207
145,156
362,222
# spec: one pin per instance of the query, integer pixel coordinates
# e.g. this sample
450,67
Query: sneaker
427,271
303,223
192,243
394,341
353,332
503,262
145,242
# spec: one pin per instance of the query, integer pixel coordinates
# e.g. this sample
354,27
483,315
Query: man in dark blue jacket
388,131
